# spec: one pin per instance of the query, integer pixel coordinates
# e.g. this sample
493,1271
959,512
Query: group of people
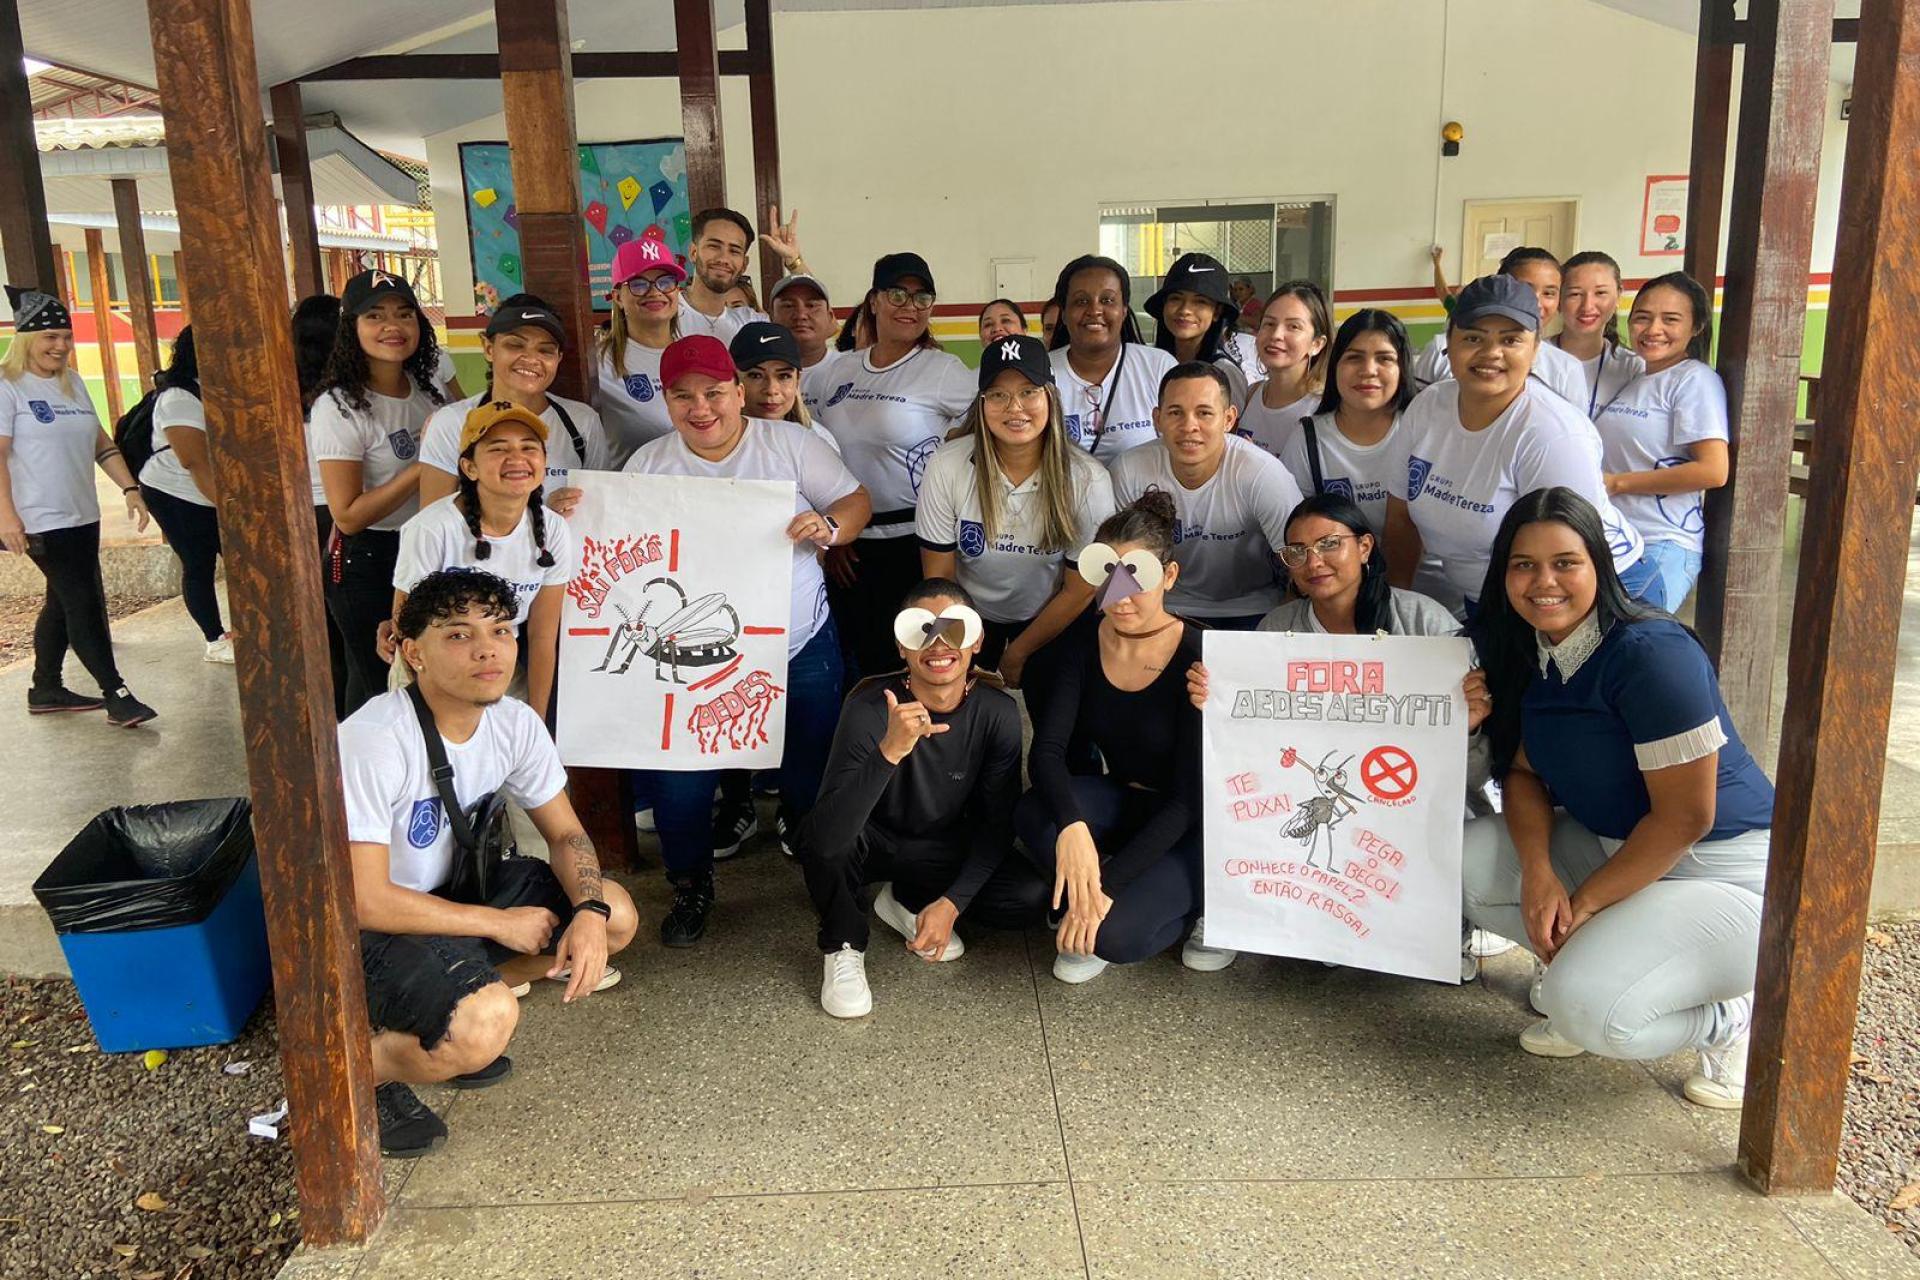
1065,522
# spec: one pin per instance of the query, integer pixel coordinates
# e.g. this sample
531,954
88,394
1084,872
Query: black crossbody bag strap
442,771
573,432
1313,455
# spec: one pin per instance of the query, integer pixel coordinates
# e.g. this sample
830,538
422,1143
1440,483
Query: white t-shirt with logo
1127,397
54,436
1458,484
1361,473
438,538
1552,366
1271,428
174,407
1649,426
1607,375
391,796
889,421
723,326
440,446
770,451
1009,576
634,404
1229,532
384,440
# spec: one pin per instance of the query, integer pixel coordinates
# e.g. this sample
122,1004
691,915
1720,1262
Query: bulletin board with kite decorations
626,190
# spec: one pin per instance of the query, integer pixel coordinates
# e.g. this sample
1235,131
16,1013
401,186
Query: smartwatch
596,906
833,528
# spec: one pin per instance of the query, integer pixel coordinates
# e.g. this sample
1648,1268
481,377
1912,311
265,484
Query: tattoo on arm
586,866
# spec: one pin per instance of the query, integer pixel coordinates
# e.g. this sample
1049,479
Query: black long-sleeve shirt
951,784
1149,738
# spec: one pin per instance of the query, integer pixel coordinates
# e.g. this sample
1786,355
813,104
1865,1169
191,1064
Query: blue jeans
1642,579
1674,569
682,801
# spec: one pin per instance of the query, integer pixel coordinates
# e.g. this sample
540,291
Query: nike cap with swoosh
1199,273
524,311
763,342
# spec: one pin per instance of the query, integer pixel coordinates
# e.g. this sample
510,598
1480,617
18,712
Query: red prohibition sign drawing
1389,773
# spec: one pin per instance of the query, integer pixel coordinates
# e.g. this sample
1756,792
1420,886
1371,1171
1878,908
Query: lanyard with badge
1095,392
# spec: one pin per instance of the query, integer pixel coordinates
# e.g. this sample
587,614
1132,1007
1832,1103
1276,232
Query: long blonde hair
13,366
1059,524
612,340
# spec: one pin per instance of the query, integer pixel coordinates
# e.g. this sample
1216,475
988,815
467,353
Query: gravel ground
1880,1145
17,614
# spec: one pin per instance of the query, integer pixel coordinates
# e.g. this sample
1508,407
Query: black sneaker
47,702
493,1073
734,823
686,919
125,711
785,830
408,1127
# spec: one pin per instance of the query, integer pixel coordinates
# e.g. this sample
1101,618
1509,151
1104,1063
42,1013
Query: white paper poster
673,634
1334,782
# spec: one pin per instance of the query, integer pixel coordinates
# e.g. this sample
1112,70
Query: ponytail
537,512
468,500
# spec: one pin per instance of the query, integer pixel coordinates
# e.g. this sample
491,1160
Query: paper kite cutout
485,197
512,216
619,235
682,227
629,190
510,266
661,192
589,163
597,216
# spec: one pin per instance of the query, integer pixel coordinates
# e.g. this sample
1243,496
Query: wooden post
1846,627
699,53
536,82
24,234
296,188
203,51
102,281
765,114
133,264
186,311
1707,181
1776,177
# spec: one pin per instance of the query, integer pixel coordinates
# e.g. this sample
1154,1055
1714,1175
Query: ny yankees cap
370,288
895,267
522,311
698,353
1497,296
796,281
1021,351
1199,273
489,414
648,253
762,341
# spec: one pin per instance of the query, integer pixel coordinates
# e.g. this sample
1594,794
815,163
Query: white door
1013,278
1495,227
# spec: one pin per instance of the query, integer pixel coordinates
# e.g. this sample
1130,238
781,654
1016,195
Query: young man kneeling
919,792
442,975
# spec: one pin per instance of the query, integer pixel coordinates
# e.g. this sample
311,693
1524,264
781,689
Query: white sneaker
1533,991
1078,969
1469,965
1720,1081
643,821
221,651
907,924
609,977
1200,957
1543,1041
844,992
1485,944
521,990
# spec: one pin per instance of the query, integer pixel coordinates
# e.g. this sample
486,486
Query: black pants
360,598
336,647
887,570
75,612
921,868
193,531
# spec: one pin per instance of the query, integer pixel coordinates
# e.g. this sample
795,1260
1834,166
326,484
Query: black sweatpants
336,647
193,531
360,598
887,569
921,868
75,611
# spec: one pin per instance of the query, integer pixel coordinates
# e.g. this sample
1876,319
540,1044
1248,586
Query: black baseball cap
895,267
1200,273
1021,351
1497,296
761,341
369,288
525,311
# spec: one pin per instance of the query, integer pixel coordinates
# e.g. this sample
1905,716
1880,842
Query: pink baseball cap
699,353
648,253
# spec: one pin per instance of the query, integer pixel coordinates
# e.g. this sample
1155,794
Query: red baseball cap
699,353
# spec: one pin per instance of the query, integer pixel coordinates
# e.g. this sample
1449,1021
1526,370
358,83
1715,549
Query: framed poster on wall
1663,217
626,189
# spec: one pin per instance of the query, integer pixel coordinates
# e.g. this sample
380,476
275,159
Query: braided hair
467,501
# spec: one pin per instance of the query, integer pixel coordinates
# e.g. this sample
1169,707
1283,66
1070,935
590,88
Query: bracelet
111,451
132,488
596,906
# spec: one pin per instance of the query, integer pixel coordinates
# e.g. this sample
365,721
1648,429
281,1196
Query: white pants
1666,969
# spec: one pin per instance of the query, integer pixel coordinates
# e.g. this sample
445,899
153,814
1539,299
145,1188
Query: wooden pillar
133,263
536,81
102,281
24,234
1776,178
1846,627
766,131
1707,178
217,149
186,310
296,188
699,53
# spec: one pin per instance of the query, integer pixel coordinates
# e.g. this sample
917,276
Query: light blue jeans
1675,568
1663,970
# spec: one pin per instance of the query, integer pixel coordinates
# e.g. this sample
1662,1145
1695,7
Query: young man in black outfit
919,793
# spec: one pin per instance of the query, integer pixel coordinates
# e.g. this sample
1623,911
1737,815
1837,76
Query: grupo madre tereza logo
404,446
973,539
42,411
423,824
1417,470
839,393
640,387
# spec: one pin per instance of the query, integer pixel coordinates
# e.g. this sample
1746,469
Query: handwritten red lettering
737,717
1337,675
603,564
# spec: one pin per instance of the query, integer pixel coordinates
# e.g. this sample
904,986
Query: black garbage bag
147,866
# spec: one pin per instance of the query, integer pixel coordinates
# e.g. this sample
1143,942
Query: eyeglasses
920,301
1294,554
641,286
1027,398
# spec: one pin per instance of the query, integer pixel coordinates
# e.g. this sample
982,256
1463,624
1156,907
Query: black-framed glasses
921,300
1294,554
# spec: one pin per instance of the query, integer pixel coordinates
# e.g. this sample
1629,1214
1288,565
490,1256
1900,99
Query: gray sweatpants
1664,970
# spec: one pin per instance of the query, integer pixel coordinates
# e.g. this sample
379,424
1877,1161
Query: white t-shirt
385,440
391,796
54,436
1362,473
313,462
1608,374
444,371
1127,398
770,451
1649,426
174,407
438,538
889,421
1229,530
1244,369
1458,484
723,326
440,445
1009,576
633,405
1270,428
1552,366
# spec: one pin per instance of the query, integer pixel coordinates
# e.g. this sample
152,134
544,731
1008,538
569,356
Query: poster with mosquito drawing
1333,784
673,633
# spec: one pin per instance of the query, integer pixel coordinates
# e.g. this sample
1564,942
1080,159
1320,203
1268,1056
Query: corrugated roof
92,135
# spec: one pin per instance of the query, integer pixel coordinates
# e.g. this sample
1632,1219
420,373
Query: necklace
1144,635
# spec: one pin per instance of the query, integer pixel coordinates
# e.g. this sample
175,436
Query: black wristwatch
596,906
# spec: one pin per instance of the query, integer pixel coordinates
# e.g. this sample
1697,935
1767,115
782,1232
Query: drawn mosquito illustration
1325,811
678,642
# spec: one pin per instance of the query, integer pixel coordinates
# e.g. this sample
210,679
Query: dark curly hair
447,592
348,369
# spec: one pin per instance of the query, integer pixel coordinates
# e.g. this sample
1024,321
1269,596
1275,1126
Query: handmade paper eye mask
1115,577
916,629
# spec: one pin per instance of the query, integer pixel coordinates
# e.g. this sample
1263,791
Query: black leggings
75,612
193,532
921,867
336,647
887,569
360,598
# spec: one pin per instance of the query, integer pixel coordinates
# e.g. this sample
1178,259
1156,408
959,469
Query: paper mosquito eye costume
916,629
1115,577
